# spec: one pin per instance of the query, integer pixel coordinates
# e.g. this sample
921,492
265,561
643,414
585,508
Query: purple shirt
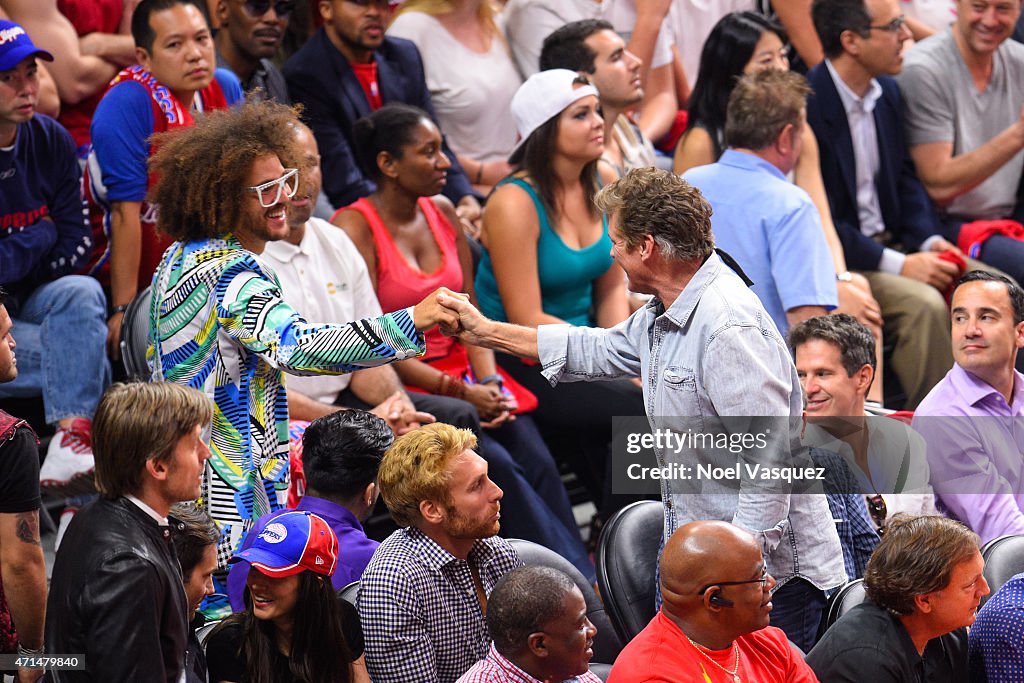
975,441
354,548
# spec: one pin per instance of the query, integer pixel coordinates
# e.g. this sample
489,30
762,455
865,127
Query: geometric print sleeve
251,310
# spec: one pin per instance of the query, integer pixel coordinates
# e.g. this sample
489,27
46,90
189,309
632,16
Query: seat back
627,561
841,602
135,337
203,632
606,643
1004,558
349,593
602,671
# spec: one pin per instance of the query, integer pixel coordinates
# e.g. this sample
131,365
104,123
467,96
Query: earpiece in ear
719,601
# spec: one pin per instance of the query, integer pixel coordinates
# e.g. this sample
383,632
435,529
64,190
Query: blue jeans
797,609
61,332
535,505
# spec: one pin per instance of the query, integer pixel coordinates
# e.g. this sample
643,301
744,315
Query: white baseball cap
543,96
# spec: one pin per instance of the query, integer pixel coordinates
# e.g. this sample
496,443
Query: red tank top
400,284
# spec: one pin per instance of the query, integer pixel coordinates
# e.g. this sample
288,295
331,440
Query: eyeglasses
894,26
287,184
257,8
763,580
878,511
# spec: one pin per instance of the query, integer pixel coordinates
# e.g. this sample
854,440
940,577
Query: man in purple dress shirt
972,419
341,453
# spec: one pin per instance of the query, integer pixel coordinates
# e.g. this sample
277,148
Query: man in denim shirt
704,348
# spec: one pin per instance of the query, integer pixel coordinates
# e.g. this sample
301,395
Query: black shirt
226,664
19,473
870,644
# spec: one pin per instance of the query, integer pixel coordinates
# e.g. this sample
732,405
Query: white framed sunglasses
287,184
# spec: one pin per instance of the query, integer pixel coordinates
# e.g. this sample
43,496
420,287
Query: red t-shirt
87,16
367,75
661,652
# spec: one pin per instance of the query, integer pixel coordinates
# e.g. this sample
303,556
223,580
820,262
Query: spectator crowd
320,320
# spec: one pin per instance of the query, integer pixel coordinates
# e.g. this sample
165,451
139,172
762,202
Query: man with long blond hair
218,322
424,594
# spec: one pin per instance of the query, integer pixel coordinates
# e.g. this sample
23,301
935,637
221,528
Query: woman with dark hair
407,234
295,629
547,260
740,43
743,43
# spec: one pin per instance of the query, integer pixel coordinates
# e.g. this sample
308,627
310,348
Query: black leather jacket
117,598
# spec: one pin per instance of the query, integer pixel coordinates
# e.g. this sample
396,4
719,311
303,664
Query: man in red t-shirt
713,624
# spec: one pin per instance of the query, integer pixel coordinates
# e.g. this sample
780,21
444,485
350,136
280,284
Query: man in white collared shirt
882,213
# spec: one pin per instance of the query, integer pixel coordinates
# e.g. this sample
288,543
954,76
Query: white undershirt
861,120
162,521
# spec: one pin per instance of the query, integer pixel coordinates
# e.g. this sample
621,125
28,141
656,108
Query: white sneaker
69,465
62,526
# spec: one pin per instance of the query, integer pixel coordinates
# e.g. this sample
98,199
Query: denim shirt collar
682,308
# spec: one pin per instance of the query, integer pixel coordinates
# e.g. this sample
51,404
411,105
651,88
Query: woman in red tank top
408,234
411,239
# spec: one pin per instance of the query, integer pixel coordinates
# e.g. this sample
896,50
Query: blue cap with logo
292,542
15,46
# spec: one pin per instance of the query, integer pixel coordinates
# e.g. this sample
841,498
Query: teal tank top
566,274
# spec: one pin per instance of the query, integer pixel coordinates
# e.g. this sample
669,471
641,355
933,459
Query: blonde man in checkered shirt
424,594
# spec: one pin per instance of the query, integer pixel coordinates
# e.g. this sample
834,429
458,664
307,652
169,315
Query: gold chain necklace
736,667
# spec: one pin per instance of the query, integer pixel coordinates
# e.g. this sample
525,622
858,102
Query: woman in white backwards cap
547,260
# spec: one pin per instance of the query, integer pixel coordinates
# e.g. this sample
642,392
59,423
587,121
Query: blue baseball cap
292,542
15,46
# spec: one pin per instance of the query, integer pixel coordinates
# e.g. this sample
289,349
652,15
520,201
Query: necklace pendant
736,678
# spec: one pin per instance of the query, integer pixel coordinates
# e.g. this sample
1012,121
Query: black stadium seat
841,602
349,593
627,559
1004,558
135,337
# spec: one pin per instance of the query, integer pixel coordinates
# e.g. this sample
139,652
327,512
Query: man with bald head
713,623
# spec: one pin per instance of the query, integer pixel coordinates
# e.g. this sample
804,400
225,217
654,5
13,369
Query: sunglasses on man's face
269,193
878,511
257,8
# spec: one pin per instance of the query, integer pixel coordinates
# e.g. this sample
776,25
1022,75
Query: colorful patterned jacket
217,323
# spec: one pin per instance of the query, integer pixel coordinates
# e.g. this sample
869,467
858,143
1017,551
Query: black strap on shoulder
731,262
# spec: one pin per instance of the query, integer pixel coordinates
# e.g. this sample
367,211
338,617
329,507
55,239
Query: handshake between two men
457,317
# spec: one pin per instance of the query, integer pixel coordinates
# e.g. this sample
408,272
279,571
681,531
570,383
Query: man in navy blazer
348,70
884,218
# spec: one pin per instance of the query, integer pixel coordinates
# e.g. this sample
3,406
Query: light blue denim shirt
714,352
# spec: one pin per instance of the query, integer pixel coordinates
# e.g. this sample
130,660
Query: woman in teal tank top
547,260
547,251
